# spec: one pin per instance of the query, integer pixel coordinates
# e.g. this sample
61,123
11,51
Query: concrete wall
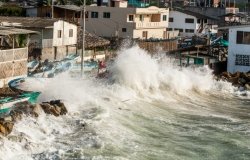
64,39
152,33
119,19
57,53
240,49
108,27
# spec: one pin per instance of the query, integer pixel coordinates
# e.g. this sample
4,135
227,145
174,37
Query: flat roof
27,22
234,26
5,31
69,7
195,14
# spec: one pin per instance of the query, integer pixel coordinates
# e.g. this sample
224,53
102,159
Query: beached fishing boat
32,66
7,103
12,96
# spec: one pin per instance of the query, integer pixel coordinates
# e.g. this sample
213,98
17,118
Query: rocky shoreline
238,79
7,122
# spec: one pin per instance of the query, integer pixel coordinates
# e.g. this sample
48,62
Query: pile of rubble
7,122
238,79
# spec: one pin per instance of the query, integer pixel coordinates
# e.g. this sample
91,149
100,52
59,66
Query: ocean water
148,109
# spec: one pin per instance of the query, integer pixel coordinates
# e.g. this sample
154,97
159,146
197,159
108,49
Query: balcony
139,25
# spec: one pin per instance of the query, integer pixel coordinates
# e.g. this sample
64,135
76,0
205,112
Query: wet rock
16,115
241,81
6,119
46,107
54,111
8,126
55,108
36,111
247,86
63,109
3,130
238,79
225,75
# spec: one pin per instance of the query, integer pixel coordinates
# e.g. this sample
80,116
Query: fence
13,62
155,46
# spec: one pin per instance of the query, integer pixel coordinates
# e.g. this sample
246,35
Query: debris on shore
7,122
238,79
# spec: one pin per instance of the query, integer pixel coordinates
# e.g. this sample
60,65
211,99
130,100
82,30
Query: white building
120,21
190,23
57,38
239,49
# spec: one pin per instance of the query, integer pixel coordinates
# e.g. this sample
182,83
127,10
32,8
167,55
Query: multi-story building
238,49
190,23
57,38
117,20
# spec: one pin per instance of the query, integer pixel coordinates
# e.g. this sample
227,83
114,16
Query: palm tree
44,2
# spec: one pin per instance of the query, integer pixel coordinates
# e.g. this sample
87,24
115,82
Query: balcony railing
150,24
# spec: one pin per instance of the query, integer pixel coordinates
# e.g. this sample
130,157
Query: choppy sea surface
148,109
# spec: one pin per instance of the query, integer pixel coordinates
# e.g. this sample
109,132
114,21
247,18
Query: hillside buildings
190,23
117,20
55,40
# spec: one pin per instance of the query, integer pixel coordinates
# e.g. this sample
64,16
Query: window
205,20
124,29
171,19
198,21
189,20
71,33
94,14
242,60
106,14
86,14
145,34
141,18
178,29
243,37
131,18
189,30
164,18
164,34
169,29
77,15
59,34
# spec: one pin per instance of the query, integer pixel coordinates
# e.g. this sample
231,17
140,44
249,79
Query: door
145,34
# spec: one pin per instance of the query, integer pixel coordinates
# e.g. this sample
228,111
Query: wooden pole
83,36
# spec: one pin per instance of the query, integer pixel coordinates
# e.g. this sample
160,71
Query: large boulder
9,126
247,86
54,111
55,107
3,130
36,110
63,108
46,107
15,115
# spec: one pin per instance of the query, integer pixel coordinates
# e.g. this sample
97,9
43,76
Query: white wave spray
105,107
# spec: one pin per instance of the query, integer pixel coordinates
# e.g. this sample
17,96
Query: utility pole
83,35
52,9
